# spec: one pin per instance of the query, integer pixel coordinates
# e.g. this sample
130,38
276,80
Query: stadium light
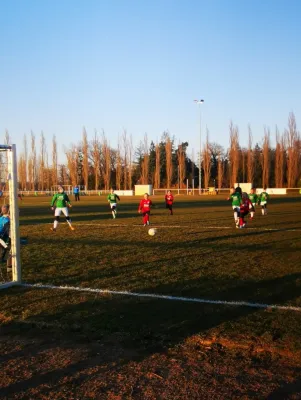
200,102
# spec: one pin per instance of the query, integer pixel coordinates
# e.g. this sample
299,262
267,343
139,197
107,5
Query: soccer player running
263,201
112,199
254,199
245,207
60,202
236,200
144,207
169,201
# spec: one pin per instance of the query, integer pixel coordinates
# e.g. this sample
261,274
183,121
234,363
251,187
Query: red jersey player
245,207
144,207
169,201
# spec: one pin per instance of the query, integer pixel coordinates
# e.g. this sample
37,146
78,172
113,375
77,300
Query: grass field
67,344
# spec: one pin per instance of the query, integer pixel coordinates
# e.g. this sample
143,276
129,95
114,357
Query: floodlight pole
200,102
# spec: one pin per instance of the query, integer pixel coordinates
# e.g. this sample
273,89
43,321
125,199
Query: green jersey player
254,200
112,199
60,203
263,201
236,201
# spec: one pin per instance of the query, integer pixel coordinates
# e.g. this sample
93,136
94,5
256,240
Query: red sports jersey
145,205
246,205
169,198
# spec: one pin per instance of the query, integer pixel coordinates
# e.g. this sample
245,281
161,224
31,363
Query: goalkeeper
60,203
4,229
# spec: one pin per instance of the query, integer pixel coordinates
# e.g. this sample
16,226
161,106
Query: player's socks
3,244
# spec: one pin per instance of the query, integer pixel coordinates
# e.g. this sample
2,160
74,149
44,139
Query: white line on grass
165,297
190,226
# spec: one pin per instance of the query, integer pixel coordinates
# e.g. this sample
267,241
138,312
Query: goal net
10,265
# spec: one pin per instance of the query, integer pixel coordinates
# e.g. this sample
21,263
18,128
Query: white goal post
9,182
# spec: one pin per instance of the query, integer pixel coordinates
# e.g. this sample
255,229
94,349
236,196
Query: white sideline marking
165,297
196,227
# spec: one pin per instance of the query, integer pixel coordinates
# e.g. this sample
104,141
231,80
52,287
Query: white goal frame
12,180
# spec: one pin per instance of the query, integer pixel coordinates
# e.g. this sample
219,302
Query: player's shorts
63,210
236,208
263,203
113,205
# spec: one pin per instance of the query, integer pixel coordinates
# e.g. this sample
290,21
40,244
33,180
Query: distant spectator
76,193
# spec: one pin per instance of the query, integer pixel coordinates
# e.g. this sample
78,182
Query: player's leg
263,207
144,218
236,214
252,212
147,217
57,214
242,222
113,209
68,219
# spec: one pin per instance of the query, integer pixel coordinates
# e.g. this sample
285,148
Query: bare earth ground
57,344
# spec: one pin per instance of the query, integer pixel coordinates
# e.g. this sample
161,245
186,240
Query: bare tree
181,164
233,154
25,160
250,158
33,163
106,154
125,158
42,161
145,162
54,162
118,167
279,159
22,172
265,158
72,164
96,159
130,161
206,156
220,170
158,166
85,159
293,141
168,151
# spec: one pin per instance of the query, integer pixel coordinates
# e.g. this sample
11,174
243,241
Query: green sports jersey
60,200
112,198
236,199
253,197
264,196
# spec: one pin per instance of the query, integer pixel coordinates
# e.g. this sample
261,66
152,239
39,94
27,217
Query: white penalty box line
165,297
191,226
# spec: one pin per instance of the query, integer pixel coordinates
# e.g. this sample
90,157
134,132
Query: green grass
197,252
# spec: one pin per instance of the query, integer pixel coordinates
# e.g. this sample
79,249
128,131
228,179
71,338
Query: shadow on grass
123,329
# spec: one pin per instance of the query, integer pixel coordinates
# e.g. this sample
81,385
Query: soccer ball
152,231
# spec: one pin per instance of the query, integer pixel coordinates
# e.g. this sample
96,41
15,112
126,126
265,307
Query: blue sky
138,65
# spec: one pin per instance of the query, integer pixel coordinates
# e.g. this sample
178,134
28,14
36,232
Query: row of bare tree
95,164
